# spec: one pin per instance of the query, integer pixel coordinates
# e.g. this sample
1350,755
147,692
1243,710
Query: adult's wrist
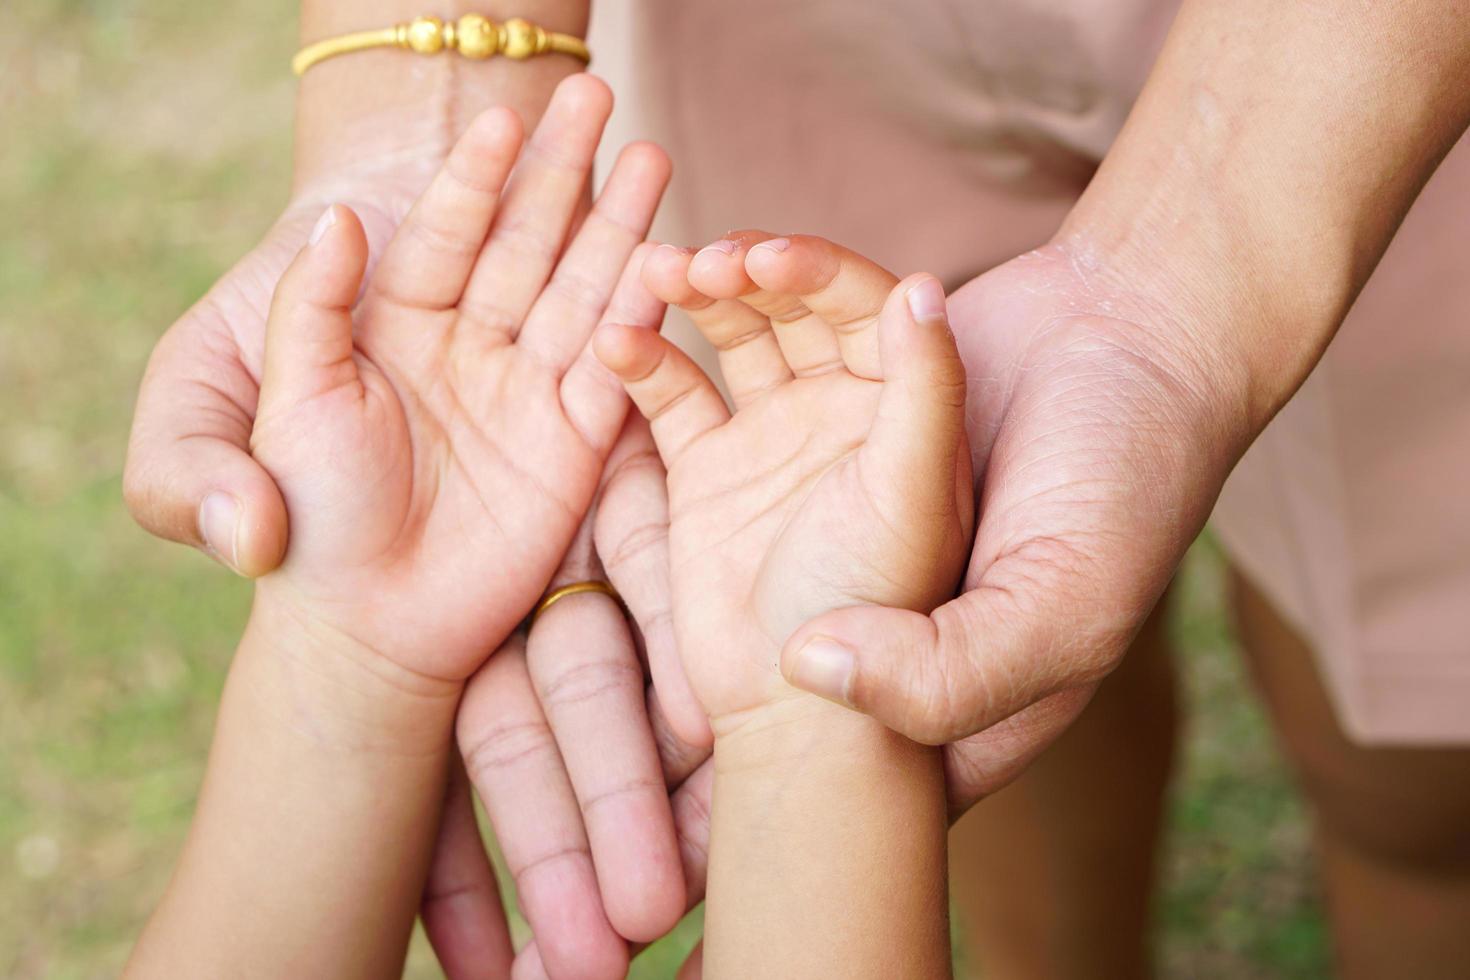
1267,164
388,109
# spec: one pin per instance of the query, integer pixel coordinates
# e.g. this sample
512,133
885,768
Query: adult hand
1119,373
1102,429
569,749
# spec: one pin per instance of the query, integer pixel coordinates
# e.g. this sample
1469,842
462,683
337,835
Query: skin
841,478
1118,373
391,431
372,131
1186,281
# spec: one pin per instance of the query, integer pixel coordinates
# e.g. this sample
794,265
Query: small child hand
843,477
438,445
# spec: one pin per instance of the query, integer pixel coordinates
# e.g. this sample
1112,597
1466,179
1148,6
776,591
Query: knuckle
527,238
504,745
591,681
579,290
442,239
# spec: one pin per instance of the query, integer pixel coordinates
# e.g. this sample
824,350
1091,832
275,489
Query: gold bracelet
576,588
473,36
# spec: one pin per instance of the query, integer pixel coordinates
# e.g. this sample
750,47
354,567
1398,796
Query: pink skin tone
1148,272
842,478
436,449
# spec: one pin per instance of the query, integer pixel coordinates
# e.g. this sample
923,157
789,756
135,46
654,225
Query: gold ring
576,588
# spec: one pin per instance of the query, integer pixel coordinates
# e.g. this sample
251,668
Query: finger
631,530
691,805
190,476
678,399
693,968
989,760
308,335
594,400
563,317
528,965
807,342
692,811
678,757
590,684
428,262
540,203
751,361
843,288
513,762
918,437
461,909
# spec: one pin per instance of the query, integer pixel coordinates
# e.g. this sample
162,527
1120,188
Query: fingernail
724,245
327,220
219,523
774,244
926,301
825,669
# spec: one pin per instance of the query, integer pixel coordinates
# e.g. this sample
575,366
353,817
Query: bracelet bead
472,35
426,35
476,37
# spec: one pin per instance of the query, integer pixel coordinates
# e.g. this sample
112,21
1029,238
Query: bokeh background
144,145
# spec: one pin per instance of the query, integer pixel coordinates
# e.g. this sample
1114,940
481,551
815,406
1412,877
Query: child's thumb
920,427
308,340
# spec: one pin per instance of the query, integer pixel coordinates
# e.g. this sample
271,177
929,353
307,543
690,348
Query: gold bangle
576,588
473,36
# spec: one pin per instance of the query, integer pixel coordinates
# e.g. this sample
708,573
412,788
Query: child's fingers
751,361
308,344
549,184
807,342
845,289
593,397
918,435
573,301
428,262
678,399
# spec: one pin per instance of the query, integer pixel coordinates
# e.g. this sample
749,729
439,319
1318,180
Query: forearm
827,849
384,107
1268,163
312,835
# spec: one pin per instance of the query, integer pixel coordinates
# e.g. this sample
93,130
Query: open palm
836,483
438,448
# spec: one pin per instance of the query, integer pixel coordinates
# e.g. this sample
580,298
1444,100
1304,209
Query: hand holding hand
841,478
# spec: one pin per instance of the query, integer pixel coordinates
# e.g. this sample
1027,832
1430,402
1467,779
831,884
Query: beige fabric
951,136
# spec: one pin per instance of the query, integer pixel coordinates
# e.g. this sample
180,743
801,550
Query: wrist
1221,322
789,736
340,691
390,111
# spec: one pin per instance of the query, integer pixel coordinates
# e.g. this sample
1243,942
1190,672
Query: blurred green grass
147,147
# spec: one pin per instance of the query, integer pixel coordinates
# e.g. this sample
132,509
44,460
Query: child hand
438,445
843,477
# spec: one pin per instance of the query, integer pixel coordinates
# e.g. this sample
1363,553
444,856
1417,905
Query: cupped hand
839,479
1102,428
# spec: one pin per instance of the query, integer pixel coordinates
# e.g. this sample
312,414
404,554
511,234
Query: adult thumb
976,660
189,476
